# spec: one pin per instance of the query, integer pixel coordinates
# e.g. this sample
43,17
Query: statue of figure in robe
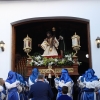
49,45
61,46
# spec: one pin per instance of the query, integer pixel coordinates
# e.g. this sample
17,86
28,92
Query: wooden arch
44,19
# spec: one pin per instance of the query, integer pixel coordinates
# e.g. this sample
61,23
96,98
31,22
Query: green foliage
38,60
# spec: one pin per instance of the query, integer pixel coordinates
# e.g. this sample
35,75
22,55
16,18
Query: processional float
28,47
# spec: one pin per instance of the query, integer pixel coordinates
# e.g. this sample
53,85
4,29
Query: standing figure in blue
26,90
33,77
21,86
98,95
11,85
2,90
88,83
64,80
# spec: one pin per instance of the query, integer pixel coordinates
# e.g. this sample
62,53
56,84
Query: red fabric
59,56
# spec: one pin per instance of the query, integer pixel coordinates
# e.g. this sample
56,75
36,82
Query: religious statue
49,45
61,46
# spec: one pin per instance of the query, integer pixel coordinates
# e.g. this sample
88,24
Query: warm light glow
2,45
49,76
87,55
98,42
27,45
75,43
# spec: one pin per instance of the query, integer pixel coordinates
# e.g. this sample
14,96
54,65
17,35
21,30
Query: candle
49,76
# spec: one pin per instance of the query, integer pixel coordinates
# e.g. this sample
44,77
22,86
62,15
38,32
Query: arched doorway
71,25
38,26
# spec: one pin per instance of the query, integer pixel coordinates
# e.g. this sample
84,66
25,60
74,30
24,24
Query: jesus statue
49,45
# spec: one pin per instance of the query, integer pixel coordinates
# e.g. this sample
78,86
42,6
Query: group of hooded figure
17,88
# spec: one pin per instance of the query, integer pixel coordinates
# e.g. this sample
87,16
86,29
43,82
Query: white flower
37,57
40,62
35,63
51,63
73,61
69,55
63,60
56,60
69,58
32,60
66,56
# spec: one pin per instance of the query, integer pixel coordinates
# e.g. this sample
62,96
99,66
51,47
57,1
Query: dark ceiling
37,31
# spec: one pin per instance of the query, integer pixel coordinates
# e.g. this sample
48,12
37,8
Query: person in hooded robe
49,45
89,84
21,87
11,84
26,90
2,90
33,76
64,80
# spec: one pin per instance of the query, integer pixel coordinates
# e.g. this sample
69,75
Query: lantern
27,45
98,42
2,44
76,43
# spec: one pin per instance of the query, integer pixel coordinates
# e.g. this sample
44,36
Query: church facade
13,11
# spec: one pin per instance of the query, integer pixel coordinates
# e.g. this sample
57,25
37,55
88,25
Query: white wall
14,11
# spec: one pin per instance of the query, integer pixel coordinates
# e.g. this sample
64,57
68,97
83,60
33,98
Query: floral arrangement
38,60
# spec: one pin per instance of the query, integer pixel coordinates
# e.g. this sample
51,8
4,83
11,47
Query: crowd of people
15,87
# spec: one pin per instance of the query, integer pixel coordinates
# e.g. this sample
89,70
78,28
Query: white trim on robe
1,88
30,82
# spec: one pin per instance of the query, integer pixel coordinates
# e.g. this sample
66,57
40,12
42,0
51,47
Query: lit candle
49,76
